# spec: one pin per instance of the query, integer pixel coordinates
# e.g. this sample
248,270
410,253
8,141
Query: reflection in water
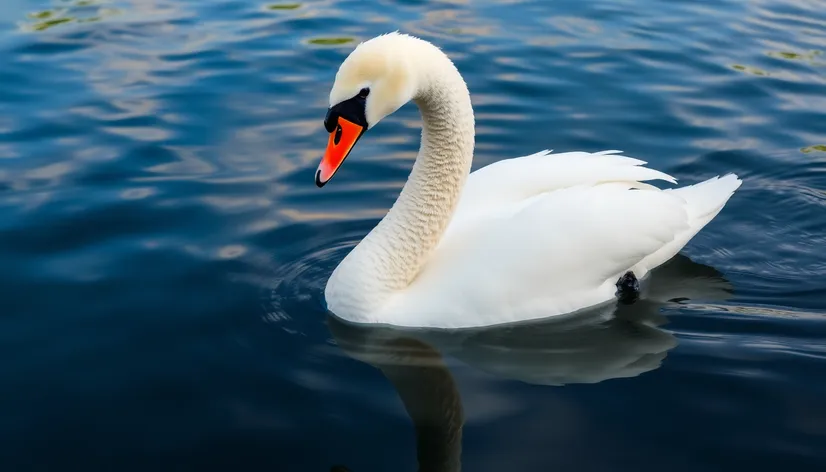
609,342
424,384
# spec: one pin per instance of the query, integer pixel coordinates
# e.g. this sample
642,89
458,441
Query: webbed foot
628,288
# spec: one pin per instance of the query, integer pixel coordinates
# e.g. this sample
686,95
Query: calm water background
164,249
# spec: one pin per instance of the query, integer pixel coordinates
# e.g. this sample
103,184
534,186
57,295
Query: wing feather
503,183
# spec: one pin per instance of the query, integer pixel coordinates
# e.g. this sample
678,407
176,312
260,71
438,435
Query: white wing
500,185
516,251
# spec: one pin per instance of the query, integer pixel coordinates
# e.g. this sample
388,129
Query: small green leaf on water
816,147
50,23
330,41
41,15
750,70
283,6
808,56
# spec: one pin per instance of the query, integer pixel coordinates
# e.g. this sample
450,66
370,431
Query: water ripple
166,251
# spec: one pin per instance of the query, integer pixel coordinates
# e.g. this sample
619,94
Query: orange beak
341,142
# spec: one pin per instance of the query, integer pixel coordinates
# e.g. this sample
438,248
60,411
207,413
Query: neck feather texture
390,256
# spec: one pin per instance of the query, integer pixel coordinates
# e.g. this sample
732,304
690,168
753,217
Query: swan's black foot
628,288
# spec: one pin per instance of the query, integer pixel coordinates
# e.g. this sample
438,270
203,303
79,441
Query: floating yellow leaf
816,147
41,15
40,26
808,56
283,6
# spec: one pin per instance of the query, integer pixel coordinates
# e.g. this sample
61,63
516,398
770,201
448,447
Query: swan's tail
704,201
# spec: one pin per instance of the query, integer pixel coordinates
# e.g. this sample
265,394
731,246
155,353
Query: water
164,249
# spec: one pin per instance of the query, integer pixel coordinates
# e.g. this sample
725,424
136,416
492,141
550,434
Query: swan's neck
414,226
390,257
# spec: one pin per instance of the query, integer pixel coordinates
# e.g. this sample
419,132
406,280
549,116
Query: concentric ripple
296,288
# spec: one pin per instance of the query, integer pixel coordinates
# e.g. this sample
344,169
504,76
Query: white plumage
520,239
514,253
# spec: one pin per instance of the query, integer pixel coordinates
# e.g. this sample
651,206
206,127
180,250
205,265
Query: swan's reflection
607,342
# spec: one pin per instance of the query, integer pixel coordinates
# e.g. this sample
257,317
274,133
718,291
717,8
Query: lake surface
164,248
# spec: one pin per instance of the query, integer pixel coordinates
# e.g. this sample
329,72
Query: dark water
164,249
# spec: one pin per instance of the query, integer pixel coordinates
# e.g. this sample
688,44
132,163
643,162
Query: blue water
164,249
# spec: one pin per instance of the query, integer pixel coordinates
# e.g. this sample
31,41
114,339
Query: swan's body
521,239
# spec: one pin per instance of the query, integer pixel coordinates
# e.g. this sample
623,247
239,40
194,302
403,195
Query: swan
521,239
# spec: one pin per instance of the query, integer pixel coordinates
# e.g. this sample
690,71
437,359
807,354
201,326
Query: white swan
520,239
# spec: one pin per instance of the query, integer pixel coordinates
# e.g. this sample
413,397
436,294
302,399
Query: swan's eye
363,93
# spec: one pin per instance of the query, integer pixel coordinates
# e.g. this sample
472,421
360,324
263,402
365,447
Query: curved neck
391,256
415,224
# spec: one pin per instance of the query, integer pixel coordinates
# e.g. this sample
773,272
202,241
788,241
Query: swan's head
375,80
